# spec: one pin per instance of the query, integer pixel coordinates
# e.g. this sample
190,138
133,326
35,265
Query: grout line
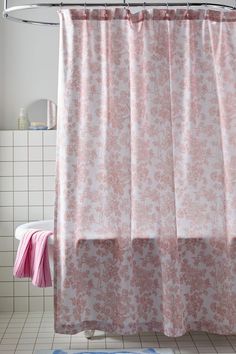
24,206
38,332
212,343
141,340
13,217
6,327
51,160
7,176
21,331
192,341
156,335
28,207
30,145
21,296
44,306
53,340
70,342
229,342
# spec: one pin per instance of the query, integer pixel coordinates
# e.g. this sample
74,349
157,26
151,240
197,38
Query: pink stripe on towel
32,260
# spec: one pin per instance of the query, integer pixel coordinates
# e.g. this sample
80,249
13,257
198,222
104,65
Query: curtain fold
145,217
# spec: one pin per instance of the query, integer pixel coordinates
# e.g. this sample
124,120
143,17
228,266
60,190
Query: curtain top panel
152,14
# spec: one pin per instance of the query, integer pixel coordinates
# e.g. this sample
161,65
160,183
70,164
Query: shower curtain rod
8,10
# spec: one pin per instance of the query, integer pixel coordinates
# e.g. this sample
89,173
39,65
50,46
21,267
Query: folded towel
32,259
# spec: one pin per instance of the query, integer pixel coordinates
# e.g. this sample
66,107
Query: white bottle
23,122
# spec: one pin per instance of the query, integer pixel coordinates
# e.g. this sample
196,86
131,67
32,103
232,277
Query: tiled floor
25,332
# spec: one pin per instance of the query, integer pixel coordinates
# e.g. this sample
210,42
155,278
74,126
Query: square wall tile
21,198
6,198
6,213
35,153
6,138
49,198
48,212
20,153
35,138
6,274
35,213
36,304
6,244
35,183
49,168
6,289
48,291
20,183
49,153
20,138
6,228
35,291
21,288
35,168
48,303
6,168
6,184
35,198
20,213
6,304
49,137
49,183
6,153
6,259
21,304
21,168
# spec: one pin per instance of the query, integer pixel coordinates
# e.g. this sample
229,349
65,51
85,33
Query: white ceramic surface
47,225
36,225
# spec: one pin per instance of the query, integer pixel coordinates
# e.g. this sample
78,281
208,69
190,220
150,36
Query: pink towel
32,260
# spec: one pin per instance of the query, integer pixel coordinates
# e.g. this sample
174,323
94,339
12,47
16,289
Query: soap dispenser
23,122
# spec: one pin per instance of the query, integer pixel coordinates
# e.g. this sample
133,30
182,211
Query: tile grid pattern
27,173
25,332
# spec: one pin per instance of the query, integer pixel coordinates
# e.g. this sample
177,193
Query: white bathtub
47,225
36,225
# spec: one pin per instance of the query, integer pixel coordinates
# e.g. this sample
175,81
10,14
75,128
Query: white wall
28,63
28,67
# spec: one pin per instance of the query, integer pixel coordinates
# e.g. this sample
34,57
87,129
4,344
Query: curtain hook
144,5
85,8
188,6
60,6
127,5
167,5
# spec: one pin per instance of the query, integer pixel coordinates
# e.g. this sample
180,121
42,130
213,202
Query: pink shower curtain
145,216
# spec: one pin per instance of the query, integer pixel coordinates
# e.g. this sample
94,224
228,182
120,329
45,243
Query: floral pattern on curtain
145,220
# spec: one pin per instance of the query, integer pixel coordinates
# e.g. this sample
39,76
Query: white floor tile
114,345
23,332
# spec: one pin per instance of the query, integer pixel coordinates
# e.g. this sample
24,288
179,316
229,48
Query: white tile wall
27,179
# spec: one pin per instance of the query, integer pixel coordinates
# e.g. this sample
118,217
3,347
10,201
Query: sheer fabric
145,217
